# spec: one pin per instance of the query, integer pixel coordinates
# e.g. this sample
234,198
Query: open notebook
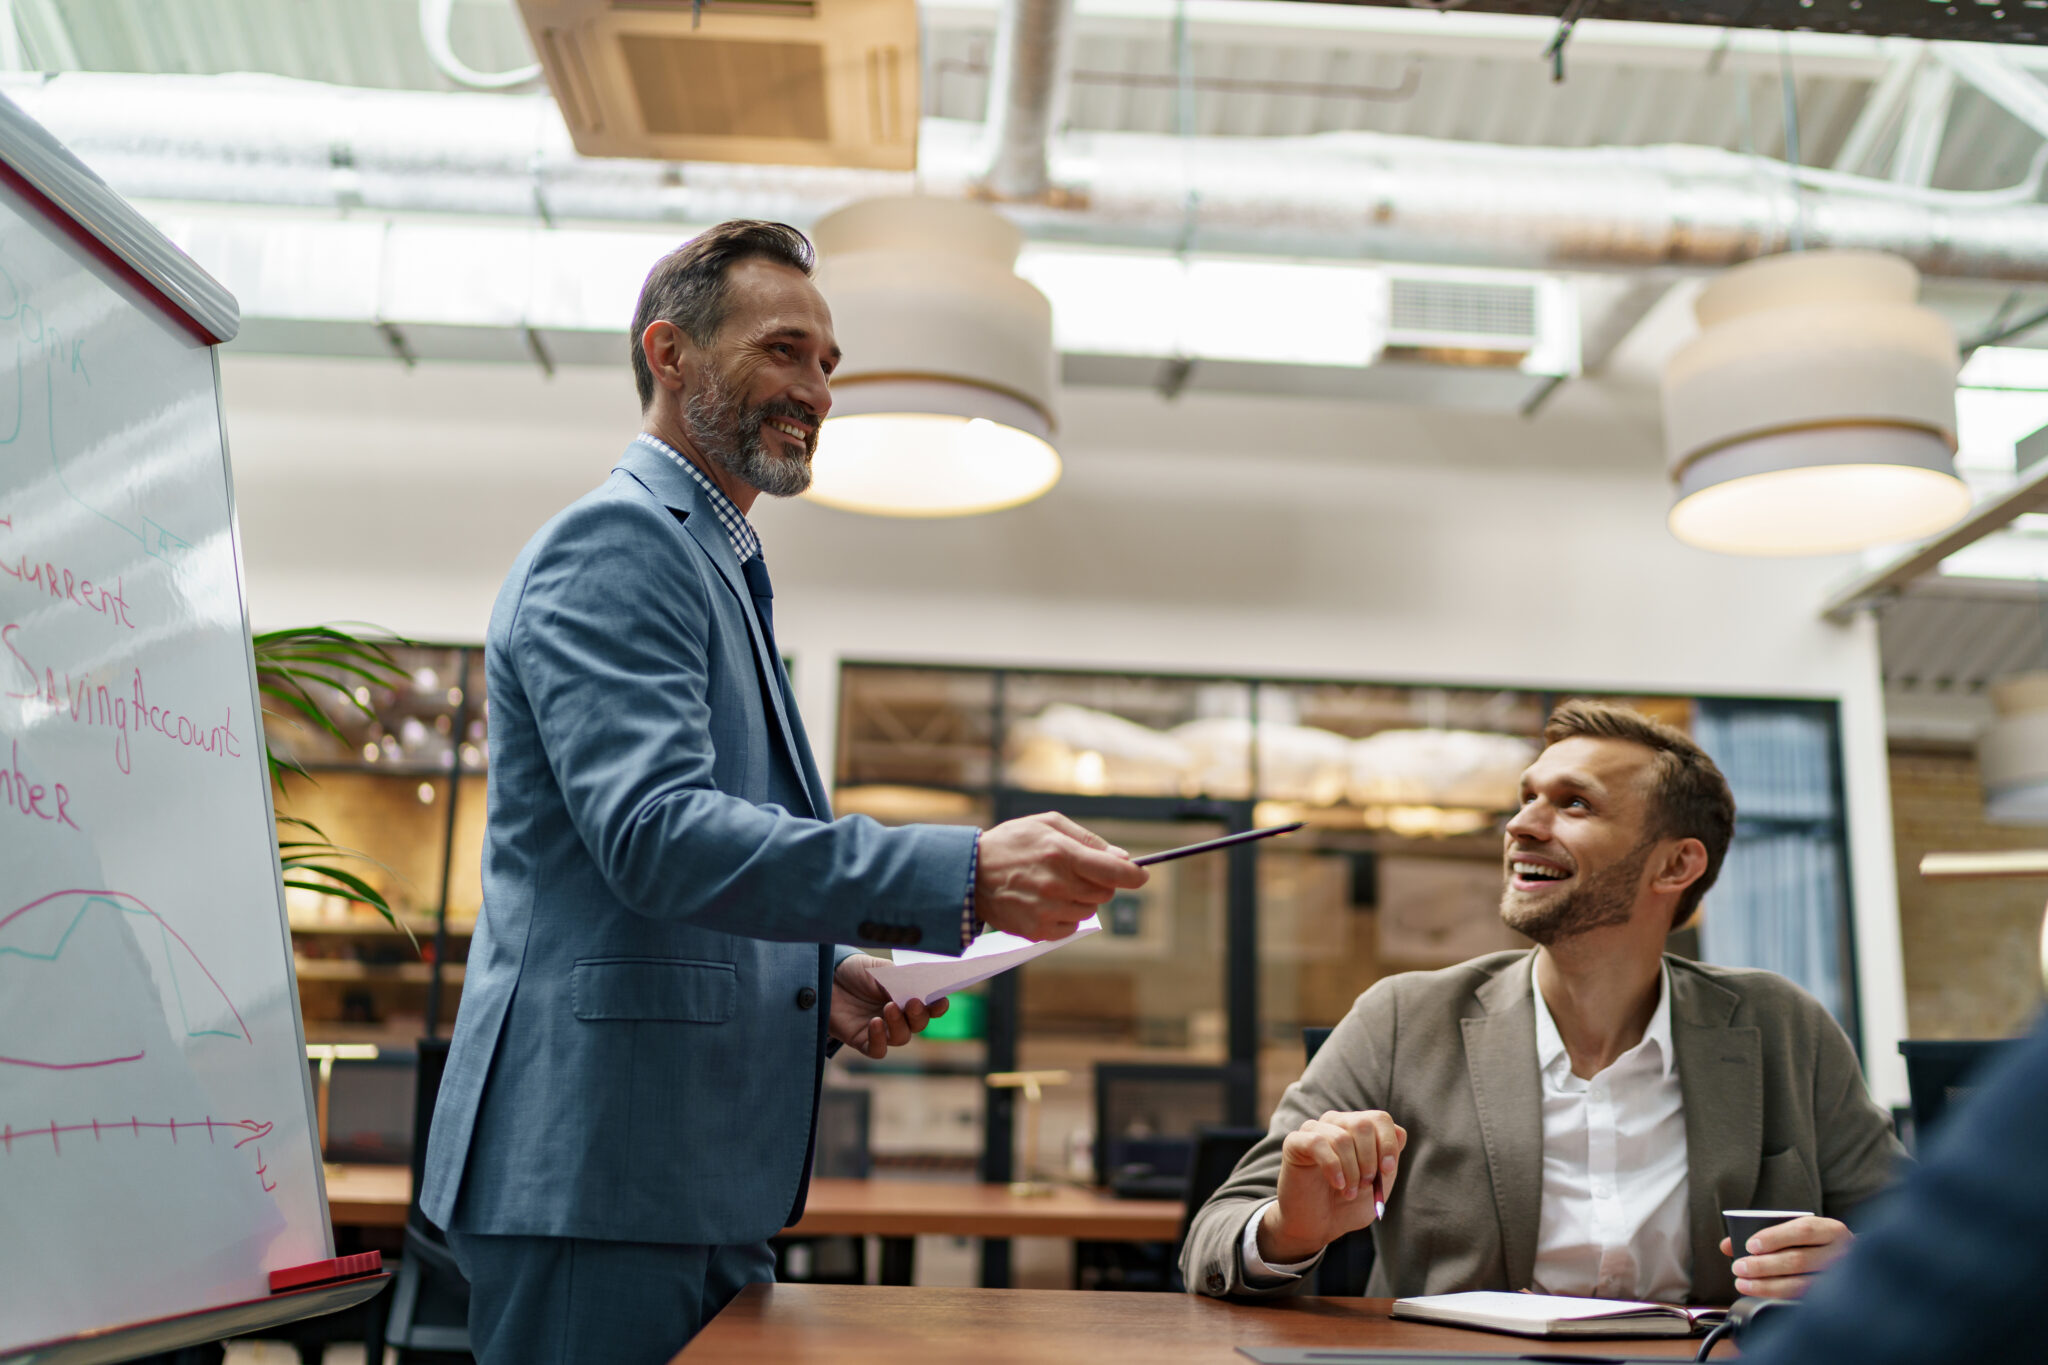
1554,1315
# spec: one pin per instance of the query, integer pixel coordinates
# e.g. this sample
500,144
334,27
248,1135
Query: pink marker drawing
54,918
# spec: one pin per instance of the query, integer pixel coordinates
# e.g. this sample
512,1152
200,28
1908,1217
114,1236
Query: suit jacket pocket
1784,1181
677,990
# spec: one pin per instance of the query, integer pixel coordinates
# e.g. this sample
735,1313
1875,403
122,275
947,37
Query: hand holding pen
1335,1175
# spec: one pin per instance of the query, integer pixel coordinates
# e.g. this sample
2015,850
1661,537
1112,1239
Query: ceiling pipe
1026,91
268,141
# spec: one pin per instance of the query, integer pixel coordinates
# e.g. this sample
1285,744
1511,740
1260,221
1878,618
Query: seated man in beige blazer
1570,1119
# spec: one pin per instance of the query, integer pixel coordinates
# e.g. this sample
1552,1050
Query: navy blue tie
756,570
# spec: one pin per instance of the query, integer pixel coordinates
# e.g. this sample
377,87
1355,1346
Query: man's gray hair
688,287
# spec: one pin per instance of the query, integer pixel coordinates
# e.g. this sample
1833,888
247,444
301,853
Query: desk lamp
327,1054
1031,1083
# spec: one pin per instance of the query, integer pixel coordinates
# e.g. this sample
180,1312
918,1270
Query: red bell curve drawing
97,981
124,1158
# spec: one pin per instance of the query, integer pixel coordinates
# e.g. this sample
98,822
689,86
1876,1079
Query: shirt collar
745,542
1550,1043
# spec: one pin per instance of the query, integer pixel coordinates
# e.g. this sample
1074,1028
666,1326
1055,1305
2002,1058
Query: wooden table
368,1196
906,1208
898,1211
878,1325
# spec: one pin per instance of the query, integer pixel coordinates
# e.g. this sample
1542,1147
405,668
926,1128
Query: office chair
841,1153
1347,1262
1146,1117
429,1319
1939,1073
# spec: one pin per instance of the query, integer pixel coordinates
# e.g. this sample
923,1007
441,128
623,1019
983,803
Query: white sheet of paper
930,976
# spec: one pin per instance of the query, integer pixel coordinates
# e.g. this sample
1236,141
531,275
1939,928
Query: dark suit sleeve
1951,1267
611,642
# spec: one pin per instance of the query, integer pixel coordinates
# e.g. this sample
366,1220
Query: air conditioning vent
1460,313
714,88
771,82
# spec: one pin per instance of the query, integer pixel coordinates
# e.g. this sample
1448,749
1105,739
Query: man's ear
1684,863
671,355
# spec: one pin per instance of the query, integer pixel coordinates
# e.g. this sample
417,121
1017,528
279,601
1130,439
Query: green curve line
170,962
155,540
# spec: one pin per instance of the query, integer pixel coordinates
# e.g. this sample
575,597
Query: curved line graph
123,903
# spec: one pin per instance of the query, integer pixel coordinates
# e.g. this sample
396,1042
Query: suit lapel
1500,1056
680,493
1720,1075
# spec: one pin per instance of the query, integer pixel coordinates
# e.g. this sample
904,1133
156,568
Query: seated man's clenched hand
1039,876
1326,1170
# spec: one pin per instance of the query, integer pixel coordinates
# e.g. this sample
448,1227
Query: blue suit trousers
577,1301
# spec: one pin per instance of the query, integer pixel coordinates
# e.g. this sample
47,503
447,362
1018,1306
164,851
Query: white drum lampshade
943,405
1815,413
2012,755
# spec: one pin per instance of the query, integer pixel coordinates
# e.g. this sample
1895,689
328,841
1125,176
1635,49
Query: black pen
1225,842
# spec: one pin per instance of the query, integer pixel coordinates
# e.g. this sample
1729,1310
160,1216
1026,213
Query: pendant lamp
1815,413
943,405
2012,755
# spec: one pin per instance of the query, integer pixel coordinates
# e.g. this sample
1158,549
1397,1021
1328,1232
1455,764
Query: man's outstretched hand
863,1016
1040,876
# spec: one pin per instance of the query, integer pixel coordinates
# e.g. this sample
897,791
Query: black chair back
1146,1118
1217,1153
1347,1262
1939,1073
430,1060
429,1295
842,1143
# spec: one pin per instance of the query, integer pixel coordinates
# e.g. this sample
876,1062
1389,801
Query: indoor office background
1299,562
1211,971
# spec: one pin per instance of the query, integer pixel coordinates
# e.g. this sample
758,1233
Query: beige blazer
1776,1116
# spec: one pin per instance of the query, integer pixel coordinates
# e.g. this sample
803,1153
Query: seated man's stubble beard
1577,903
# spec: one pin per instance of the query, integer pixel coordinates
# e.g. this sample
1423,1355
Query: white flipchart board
157,1150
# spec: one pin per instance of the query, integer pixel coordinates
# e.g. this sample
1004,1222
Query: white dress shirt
1615,1222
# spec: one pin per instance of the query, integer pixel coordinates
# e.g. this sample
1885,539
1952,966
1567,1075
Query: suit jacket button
806,998
870,930
1215,1284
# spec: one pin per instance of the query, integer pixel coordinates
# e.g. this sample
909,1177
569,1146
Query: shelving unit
387,794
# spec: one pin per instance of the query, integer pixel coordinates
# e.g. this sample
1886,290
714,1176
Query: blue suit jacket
1949,1269
632,1060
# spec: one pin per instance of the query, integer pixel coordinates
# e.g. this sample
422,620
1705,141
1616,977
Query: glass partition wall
1221,961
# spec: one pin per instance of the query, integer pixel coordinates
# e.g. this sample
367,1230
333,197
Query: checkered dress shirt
746,544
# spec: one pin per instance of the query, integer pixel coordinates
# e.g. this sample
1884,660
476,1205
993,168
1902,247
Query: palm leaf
294,669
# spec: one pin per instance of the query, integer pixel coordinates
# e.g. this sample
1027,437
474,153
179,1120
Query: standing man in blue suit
631,1093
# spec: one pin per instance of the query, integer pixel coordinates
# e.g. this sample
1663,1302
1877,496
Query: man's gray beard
1607,898
723,428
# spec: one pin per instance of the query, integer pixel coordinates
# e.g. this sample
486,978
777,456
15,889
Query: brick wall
1972,949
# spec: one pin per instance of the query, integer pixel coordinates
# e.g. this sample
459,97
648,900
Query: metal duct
1024,95
262,140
